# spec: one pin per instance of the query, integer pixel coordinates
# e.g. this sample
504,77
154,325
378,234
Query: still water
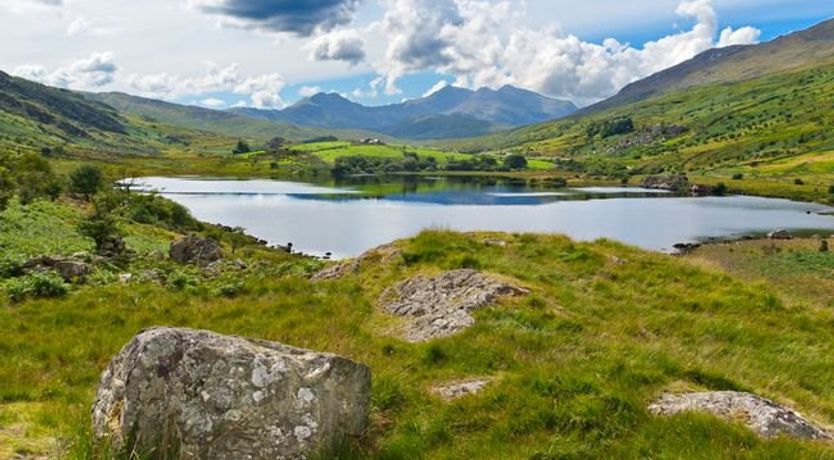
346,219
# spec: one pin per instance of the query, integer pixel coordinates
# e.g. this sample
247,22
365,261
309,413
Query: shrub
738,176
86,181
831,189
720,189
515,162
38,285
241,147
798,181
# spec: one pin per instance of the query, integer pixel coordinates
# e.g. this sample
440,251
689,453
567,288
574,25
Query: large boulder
442,305
761,415
197,394
195,250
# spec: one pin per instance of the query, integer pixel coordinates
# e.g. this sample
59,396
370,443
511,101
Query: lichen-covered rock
761,415
456,390
441,306
195,250
208,396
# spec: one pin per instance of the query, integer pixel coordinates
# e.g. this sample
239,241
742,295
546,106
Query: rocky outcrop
71,269
195,250
674,182
198,394
441,306
761,415
457,390
382,255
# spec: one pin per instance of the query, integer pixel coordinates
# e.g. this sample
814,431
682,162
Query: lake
348,218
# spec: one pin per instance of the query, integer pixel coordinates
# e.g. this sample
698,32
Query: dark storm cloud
301,17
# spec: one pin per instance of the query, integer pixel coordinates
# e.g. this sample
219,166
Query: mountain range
450,112
33,115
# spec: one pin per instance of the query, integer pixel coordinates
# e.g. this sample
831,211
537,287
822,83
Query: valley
522,278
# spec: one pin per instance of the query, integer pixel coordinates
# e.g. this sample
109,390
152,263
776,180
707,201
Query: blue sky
271,53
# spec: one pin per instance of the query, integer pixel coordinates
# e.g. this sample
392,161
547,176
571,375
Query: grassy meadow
605,330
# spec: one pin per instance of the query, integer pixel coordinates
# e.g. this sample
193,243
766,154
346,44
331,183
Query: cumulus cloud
18,6
307,91
301,17
340,45
742,36
93,72
486,43
264,91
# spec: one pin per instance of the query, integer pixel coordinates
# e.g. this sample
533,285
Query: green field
605,330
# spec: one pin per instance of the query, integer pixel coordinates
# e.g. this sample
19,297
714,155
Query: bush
738,176
86,181
798,181
831,190
515,162
241,147
38,285
720,189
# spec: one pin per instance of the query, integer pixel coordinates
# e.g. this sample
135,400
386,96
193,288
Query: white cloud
742,36
437,87
212,102
82,26
264,91
307,91
491,44
340,45
93,72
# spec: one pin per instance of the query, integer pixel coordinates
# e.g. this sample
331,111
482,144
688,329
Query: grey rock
71,270
125,278
210,396
441,306
674,182
195,250
457,390
761,415
779,235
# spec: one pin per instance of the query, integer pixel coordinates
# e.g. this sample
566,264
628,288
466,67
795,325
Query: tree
86,181
515,162
101,226
7,187
237,238
242,147
35,177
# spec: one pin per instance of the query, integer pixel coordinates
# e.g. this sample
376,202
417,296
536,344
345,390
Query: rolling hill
448,113
808,48
215,121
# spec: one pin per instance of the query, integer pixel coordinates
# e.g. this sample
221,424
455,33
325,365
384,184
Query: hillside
808,48
772,133
215,121
448,113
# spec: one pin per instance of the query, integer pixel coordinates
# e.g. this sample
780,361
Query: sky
271,53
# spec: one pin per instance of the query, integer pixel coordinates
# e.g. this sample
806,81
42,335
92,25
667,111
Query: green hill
771,132
216,121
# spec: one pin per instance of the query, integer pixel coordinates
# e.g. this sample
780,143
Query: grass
330,151
605,330
796,269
